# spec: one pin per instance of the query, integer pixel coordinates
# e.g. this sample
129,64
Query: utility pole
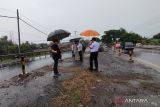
19,39
19,48
75,33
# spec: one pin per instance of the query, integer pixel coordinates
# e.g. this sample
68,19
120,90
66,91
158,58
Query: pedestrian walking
79,47
94,47
56,55
118,48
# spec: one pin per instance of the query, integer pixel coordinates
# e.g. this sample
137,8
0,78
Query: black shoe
58,74
55,76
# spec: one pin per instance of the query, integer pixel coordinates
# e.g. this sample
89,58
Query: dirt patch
76,91
23,79
150,85
70,69
38,87
89,89
20,79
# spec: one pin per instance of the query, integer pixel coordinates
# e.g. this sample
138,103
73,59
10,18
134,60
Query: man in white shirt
79,46
94,47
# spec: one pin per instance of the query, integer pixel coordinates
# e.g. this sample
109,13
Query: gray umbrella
74,39
59,34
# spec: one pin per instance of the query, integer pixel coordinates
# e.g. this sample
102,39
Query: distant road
149,47
149,57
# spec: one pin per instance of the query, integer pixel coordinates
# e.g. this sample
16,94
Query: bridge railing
12,58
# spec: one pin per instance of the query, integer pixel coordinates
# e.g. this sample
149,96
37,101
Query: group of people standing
78,48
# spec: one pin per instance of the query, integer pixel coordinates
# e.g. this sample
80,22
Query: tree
33,46
25,47
157,36
4,38
8,47
98,40
3,45
124,36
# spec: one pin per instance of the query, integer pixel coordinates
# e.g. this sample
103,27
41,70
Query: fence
11,59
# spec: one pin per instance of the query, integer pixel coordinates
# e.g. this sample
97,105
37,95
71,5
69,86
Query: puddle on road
38,62
39,88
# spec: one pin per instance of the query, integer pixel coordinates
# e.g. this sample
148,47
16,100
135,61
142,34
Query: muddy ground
122,84
125,81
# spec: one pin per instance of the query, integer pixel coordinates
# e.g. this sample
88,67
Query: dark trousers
93,57
80,55
55,67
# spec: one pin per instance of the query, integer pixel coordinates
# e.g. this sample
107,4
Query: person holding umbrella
94,47
54,48
56,55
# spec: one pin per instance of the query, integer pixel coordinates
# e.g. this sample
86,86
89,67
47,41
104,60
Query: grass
151,85
8,60
76,91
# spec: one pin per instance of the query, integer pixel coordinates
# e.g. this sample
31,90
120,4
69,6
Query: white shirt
79,46
94,47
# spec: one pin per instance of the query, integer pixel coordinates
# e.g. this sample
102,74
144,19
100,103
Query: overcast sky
140,16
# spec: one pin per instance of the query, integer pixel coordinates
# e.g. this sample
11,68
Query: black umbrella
59,34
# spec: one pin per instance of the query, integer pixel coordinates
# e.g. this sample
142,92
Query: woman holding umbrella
56,55
54,49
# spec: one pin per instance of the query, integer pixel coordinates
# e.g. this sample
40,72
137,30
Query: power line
25,23
33,27
7,16
11,11
32,21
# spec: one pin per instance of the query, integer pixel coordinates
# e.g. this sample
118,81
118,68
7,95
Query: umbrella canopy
74,39
59,34
89,33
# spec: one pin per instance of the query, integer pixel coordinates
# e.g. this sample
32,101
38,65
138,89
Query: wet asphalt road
37,90
126,80
37,62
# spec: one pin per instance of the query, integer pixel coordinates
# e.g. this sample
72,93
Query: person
74,49
60,47
83,46
56,55
79,47
23,64
118,47
94,46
